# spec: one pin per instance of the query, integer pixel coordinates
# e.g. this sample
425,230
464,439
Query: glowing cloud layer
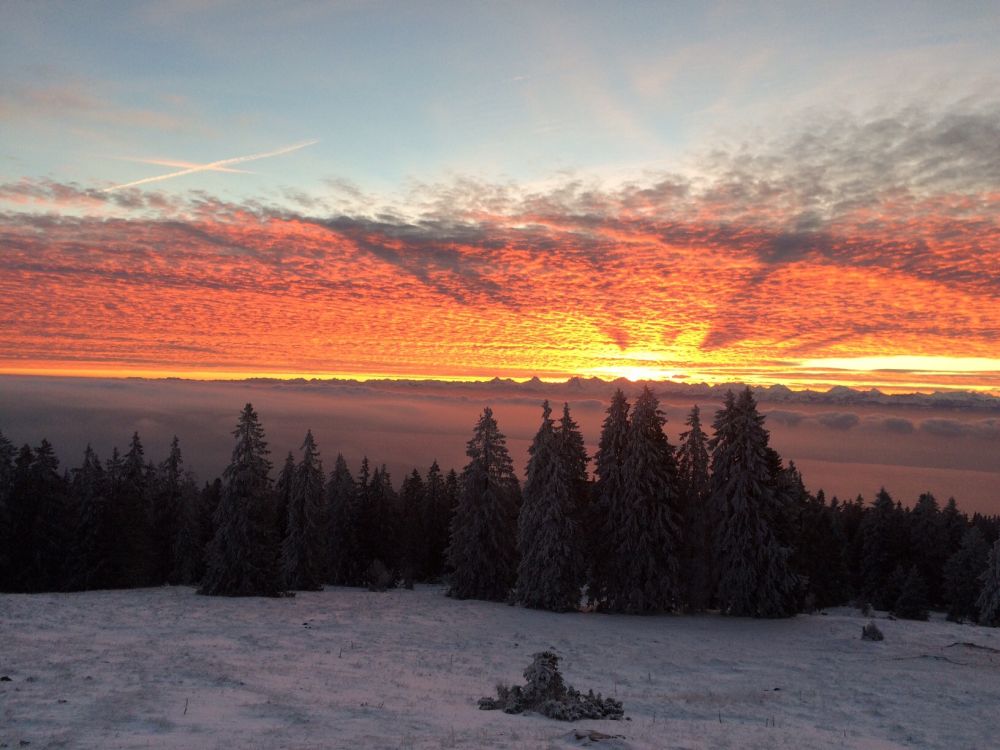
807,261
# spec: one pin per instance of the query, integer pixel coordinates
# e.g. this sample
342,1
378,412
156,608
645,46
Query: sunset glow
848,238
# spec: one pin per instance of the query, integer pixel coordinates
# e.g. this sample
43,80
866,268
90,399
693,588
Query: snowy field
164,668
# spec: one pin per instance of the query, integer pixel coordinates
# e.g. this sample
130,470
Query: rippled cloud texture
846,237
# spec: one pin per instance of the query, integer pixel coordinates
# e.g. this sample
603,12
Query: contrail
212,166
181,164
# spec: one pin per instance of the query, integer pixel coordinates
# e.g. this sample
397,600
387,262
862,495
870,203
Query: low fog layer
844,443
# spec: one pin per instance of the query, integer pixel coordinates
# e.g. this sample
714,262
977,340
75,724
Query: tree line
715,522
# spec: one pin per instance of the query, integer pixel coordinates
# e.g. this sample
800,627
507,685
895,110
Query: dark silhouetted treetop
641,567
243,557
303,551
550,572
347,559
483,547
751,563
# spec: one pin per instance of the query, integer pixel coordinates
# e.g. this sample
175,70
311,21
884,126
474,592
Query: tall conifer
437,519
644,534
96,536
608,497
483,547
988,602
303,551
243,557
347,564
751,560
961,576
693,486
550,571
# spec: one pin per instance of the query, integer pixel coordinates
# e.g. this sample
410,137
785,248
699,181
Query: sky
804,193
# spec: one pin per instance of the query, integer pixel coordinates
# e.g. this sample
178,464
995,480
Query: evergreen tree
96,535
40,552
283,495
608,491
22,511
303,552
751,560
988,602
50,555
955,524
167,492
380,525
483,548
822,547
642,567
852,514
366,533
130,504
413,530
961,576
550,571
894,585
7,454
693,490
437,519
573,457
347,564
928,544
879,552
912,602
194,529
242,558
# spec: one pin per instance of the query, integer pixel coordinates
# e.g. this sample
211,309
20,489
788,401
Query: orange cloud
762,269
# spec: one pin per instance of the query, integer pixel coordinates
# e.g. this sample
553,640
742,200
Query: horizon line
756,383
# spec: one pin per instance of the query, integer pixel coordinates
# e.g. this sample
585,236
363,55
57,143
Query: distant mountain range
601,389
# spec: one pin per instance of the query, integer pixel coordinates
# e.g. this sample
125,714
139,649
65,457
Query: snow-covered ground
165,668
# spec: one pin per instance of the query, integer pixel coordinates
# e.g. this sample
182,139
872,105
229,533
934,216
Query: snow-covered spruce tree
303,550
194,524
989,596
7,453
381,521
346,556
645,543
880,554
822,547
437,519
573,453
961,576
130,508
243,557
53,542
928,544
365,542
22,513
550,571
912,602
483,548
607,493
412,531
751,561
197,529
693,490
283,495
95,535
166,490
955,524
